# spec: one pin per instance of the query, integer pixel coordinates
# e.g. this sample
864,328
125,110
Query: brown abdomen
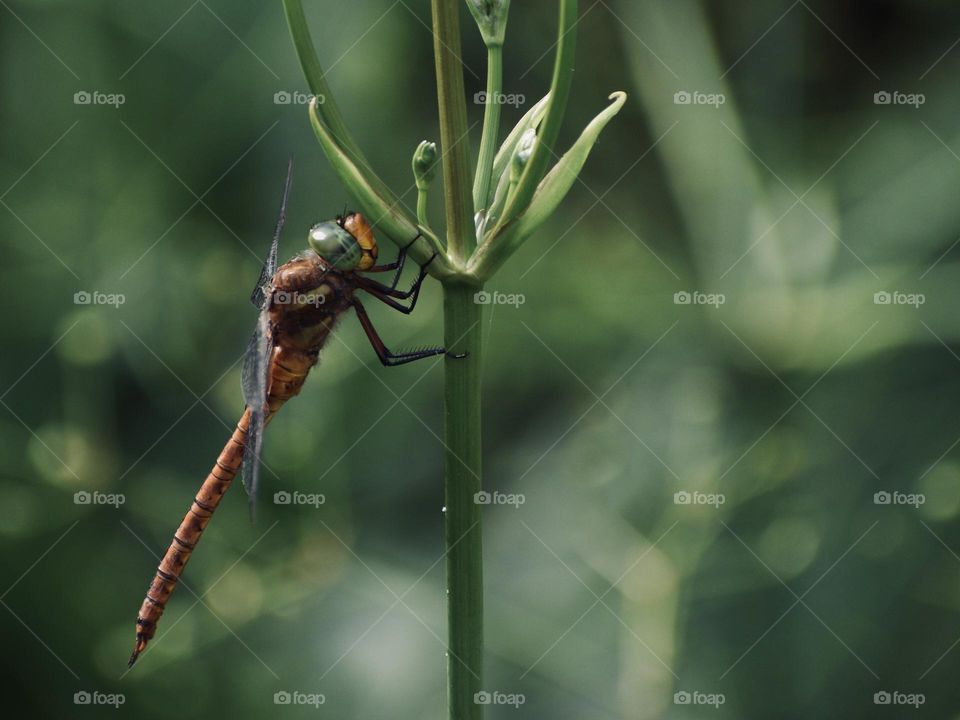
188,534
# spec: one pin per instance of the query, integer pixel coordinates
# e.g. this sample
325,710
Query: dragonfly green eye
335,245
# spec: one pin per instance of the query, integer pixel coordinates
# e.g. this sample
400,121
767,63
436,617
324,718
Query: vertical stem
491,127
463,334
454,143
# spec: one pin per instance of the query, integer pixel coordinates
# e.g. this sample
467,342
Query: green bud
521,155
424,170
491,17
425,163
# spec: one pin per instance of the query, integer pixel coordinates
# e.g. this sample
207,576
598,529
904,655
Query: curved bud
503,240
554,187
424,170
521,156
531,119
425,164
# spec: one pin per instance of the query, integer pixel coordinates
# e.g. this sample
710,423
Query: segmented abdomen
288,371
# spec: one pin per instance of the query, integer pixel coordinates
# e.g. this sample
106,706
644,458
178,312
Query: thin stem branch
317,81
491,128
422,199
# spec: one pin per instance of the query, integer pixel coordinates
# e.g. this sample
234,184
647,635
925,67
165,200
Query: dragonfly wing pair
256,361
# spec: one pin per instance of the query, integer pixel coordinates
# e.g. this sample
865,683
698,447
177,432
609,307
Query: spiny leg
390,302
396,264
383,293
388,358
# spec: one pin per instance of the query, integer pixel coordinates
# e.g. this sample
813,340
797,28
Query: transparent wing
259,296
255,376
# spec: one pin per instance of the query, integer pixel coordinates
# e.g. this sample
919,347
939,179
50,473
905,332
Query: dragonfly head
347,243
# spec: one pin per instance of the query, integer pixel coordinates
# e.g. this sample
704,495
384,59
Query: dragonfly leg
396,264
381,291
388,358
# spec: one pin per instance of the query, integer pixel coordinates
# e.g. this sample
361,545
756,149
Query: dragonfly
299,304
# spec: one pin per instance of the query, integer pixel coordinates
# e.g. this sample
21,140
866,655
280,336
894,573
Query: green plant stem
462,419
491,127
454,144
422,198
317,81
462,426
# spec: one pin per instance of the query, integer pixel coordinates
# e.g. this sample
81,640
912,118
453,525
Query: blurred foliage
797,199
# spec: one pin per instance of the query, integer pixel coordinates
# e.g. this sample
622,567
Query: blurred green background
795,197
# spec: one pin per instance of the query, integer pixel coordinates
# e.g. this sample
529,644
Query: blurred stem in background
514,191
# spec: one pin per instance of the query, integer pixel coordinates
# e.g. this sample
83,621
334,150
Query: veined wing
256,372
259,295
256,361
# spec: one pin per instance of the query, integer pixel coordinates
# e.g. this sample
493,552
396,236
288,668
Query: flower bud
425,164
491,17
522,154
